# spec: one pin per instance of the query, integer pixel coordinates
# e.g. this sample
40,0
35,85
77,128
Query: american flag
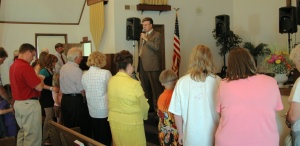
176,48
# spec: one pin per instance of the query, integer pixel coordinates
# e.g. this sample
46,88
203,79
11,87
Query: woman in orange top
167,131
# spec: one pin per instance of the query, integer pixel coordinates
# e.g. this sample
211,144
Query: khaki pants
29,118
46,128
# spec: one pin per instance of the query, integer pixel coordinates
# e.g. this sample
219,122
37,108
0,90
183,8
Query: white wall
258,21
13,35
107,44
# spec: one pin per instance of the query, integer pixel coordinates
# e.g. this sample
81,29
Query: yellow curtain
97,22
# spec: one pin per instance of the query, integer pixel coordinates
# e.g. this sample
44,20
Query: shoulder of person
184,79
263,78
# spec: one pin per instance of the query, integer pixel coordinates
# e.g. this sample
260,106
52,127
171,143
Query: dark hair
241,64
34,63
48,61
3,53
148,19
8,90
58,45
41,60
123,58
25,47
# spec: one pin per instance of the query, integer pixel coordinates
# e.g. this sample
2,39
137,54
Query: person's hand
144,37
55,89
180,139
11,109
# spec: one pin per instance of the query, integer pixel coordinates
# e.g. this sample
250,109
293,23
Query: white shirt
70,78
59,62
295,92
295,96
195,103
95,82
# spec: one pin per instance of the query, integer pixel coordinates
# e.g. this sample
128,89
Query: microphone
143,31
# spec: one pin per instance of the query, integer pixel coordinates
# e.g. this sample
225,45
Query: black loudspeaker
288,20
133,28
222,24
298,11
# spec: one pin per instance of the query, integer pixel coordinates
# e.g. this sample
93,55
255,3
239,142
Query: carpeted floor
151,129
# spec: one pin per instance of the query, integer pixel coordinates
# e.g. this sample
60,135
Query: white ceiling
41,11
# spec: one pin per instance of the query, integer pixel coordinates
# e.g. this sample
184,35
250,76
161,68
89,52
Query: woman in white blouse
95,82
294,99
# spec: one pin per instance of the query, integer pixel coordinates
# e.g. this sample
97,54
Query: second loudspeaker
222,25
133,28
288,20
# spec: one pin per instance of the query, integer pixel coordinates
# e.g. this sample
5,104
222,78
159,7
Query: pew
63,136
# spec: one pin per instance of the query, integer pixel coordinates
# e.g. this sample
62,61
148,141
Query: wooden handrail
82,138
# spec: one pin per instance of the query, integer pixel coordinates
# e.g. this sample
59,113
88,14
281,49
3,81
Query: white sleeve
295,93
175,104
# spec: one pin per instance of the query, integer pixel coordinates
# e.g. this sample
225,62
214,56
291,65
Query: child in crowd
8,124
57,99
3,122
167,131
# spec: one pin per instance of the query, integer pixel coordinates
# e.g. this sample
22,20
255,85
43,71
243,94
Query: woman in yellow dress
127,105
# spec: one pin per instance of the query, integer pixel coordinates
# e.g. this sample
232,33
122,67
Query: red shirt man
26,87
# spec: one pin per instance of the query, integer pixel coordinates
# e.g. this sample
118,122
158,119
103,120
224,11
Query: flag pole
176,46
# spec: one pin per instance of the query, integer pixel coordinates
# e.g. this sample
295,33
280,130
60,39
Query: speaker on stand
133,31
288,22
223,29
222,25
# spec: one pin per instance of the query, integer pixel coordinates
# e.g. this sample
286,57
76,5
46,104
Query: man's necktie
62,59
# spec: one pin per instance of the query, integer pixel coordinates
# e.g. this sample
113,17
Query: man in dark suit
150,62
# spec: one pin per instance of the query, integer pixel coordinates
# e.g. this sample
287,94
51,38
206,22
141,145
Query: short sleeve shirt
23,80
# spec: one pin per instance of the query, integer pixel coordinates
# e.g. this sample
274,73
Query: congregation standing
198,109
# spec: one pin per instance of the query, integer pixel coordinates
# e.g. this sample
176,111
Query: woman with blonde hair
95,82
294,99
193,100
247,103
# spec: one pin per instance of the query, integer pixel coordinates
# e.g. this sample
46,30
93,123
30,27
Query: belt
33,98
73,94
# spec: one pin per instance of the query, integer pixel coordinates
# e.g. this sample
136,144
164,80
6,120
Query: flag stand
176,46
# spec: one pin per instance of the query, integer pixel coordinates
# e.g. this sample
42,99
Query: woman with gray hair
95,82
294,99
